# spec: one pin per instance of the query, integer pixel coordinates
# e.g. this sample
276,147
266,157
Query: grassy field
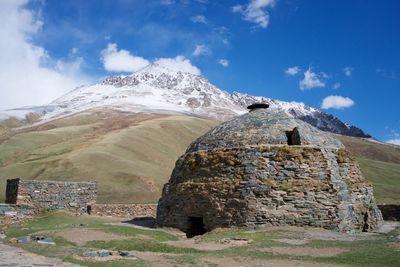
379,164
385,177
273,246
130,155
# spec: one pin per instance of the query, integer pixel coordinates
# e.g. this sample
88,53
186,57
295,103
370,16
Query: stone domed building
265,168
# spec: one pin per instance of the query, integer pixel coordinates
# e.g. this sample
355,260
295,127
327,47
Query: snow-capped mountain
158,88
153,88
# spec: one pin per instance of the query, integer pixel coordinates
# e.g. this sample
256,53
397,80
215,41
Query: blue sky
342,56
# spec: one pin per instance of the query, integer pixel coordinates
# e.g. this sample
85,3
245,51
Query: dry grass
130,155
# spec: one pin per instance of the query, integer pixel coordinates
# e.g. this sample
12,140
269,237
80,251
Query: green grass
61,220
385,178
130,231
140,245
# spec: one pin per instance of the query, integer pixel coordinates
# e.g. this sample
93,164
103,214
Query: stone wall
269,185
11,213
125,210
51,195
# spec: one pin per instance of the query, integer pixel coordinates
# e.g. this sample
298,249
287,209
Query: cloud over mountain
336,102
311,80
28,73
121,60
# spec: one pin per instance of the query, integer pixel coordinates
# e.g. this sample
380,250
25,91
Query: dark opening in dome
257,106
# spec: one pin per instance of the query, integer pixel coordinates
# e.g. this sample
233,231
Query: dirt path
208,246
12,256
246,261
305,251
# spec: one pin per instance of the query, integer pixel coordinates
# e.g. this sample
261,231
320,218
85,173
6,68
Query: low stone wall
390,212
125,210
11,213
11,210
52,195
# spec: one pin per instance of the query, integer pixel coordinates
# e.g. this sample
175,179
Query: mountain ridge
157,88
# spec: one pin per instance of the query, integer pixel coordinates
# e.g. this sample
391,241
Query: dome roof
263,127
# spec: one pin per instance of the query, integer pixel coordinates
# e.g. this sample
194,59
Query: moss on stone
344,156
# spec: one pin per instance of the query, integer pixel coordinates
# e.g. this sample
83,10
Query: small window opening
195,227
293,137
89,209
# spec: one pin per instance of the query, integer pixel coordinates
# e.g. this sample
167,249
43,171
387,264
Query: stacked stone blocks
52,195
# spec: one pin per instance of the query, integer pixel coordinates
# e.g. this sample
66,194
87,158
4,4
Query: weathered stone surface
125,210
242,174
51,195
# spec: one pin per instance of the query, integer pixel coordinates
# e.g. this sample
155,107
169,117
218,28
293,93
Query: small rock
123,253
37,238
10,213
90,254
3,236
23,239
46,241
104,253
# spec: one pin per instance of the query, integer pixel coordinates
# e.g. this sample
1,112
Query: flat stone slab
12,256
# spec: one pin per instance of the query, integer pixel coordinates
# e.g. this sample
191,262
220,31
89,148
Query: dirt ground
208,246
247,261
12,256
305,251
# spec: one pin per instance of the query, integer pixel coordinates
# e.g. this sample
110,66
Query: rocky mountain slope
158,88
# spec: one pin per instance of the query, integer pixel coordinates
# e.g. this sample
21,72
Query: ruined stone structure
51,195
265,168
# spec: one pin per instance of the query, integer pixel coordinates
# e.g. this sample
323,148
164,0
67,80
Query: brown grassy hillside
130,155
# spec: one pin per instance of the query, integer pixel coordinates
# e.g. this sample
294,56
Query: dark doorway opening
195,227
293,137
89,209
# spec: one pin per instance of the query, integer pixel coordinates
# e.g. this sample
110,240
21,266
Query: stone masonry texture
243,173
51,195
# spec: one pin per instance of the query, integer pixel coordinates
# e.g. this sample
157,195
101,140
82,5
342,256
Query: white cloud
348,71
201,50
336,85
395,141
224,62
199,19
121,60
336,102
254,11
292,71
311,80
29,75
179,63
